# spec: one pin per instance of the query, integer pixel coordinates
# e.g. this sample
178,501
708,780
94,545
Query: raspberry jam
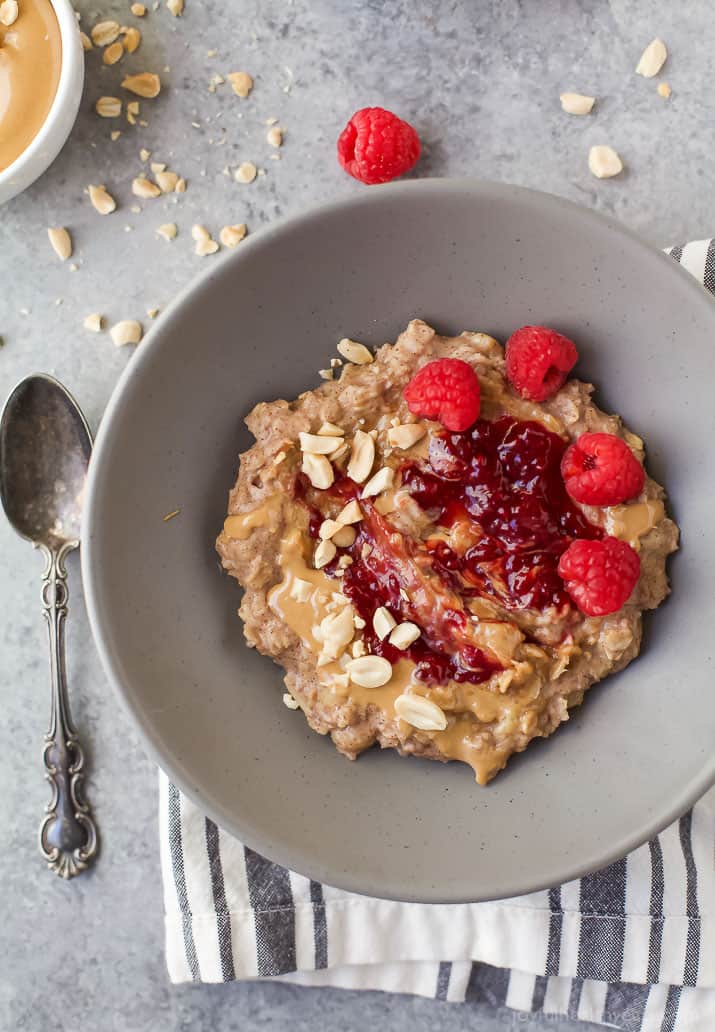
389,570
503,478
497,489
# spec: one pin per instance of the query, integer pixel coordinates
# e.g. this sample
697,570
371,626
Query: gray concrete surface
480,81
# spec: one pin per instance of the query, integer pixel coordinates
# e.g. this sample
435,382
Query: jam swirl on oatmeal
500,519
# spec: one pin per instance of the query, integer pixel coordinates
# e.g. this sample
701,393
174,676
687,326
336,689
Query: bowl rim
175,768
67,95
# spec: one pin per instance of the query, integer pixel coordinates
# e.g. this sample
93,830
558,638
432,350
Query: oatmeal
432,589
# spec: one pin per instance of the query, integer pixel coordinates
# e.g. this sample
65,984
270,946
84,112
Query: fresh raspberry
538,360
600,469
599,575
447,390
377,146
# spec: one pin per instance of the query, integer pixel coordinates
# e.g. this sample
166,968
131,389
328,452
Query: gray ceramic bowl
258,325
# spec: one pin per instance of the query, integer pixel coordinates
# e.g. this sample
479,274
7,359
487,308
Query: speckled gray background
480,81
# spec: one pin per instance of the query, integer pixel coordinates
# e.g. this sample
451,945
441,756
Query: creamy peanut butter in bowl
41,78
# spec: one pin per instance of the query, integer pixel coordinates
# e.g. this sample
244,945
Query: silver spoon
45,445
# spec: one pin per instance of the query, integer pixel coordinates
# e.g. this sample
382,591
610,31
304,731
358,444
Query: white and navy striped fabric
631,946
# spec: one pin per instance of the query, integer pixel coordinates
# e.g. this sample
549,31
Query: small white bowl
45,147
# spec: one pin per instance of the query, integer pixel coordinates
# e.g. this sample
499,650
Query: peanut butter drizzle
632,522
302,617
239,527
465,704
495,402
30,64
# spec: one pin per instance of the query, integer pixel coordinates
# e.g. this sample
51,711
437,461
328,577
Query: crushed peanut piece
318,470
404,635
132,111
102,200
664,90
241,83
290,702
330,430
345,537
206,247
180,185
351,513
152,312
419,712
318,444
604,162
108,107
86,41
324,554
652,59
369,671
383,622
145,154
61,242
128,331
275,136
146,84
138,10
362,457
577,103
94,322
245,173
157,166
143,187
113,53
168,231
379,482
167,181
355,352
132,38
104,33
204,244
176,7
406,435
230,236
8,12
327,529
325,374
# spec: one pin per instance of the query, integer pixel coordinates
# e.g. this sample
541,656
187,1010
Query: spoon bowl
45,445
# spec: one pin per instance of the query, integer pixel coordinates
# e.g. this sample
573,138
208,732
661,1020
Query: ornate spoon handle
68,836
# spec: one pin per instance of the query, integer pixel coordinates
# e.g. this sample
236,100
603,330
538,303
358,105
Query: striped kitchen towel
631,946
